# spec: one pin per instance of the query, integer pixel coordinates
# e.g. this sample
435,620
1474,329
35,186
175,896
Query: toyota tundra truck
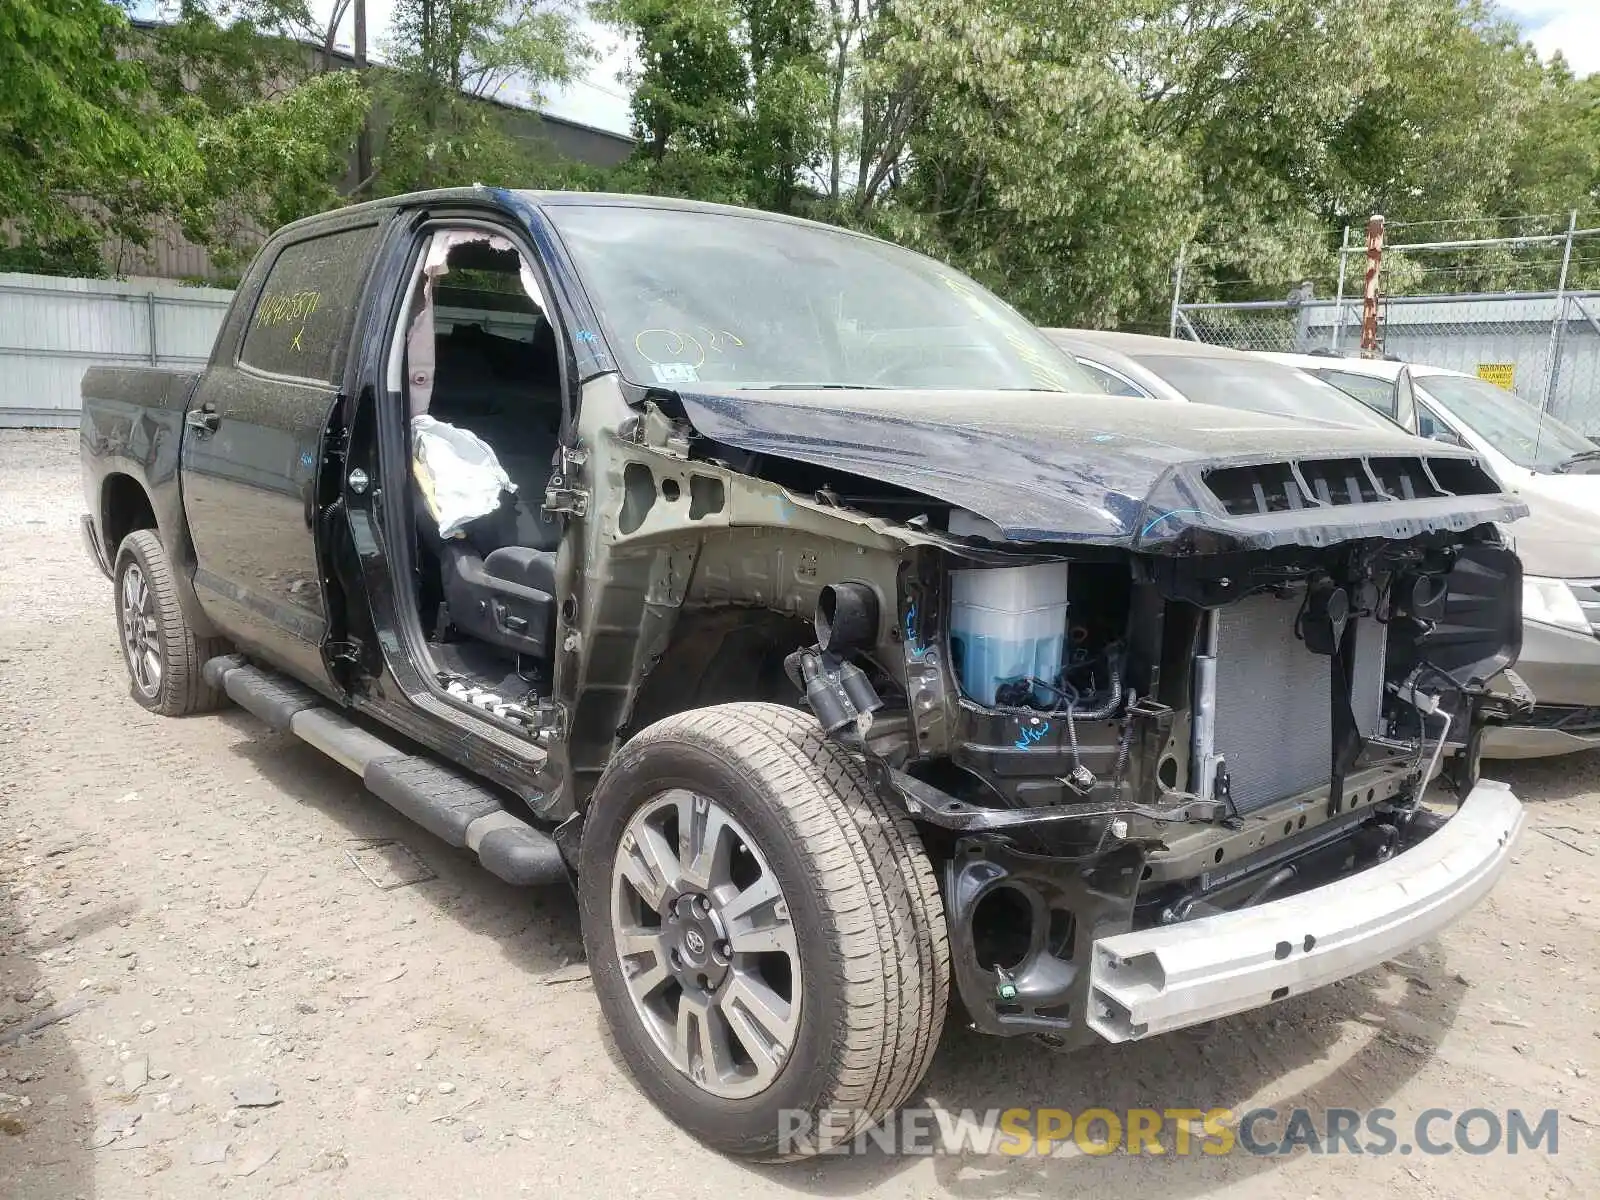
798,602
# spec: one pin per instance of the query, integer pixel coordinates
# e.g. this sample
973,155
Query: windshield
748,302
1261,386
1506,422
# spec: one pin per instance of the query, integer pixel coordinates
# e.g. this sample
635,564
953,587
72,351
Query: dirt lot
189,880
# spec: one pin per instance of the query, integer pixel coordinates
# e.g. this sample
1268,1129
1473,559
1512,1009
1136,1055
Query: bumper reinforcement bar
1164,978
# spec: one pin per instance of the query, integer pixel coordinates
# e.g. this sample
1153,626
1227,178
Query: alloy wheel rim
141,638
705,942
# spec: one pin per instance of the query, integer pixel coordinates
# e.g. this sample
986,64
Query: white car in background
1557,541
1530,452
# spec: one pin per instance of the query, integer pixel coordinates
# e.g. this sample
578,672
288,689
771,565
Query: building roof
347,61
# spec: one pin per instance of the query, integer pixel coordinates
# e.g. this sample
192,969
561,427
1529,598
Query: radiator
1274,722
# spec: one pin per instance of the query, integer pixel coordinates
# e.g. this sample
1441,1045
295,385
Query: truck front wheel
163,654
764,931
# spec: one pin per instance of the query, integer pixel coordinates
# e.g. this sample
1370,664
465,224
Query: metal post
1300,304
1559,324
150,319
1204,759
1369,302
1177,291
1338,293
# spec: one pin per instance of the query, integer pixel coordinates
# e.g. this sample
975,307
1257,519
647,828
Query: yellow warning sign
1500,374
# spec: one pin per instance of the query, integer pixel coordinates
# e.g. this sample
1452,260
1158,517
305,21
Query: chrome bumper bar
1166,978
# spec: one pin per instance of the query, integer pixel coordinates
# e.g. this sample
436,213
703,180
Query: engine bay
1122,682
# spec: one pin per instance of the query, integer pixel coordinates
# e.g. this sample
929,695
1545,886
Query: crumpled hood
1049,467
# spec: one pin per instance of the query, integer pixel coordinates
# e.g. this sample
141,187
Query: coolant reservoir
1007,624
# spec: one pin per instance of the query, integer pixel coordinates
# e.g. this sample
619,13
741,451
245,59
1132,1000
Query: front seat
496,591
499,579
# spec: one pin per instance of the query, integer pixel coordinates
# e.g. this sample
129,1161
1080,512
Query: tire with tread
862,895
183,689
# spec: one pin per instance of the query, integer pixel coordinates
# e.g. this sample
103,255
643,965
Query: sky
1570,26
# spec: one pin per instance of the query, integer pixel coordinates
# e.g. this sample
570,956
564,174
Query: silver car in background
1136,364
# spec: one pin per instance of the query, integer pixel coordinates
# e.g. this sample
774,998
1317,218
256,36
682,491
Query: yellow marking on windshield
1038,365
673,347
715,336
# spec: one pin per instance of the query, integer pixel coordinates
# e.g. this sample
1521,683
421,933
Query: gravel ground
260,1017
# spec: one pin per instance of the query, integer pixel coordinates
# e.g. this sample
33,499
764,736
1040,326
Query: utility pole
1338,292
1177,291
1371,342
364,138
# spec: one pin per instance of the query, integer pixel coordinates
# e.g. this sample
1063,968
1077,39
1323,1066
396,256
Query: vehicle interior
479,354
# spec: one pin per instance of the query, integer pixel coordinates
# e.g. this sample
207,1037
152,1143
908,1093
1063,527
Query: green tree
1252,94
733,90
270,127
70,117
1064,151
273,162
213,122
1022,158
784,99
445,57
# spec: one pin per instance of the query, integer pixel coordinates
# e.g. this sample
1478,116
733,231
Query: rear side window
1431,425
1114,385
303,314
1377,394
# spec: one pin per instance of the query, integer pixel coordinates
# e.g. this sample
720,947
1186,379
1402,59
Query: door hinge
572,501
562,495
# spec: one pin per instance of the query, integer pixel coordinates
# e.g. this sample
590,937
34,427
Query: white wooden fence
53,329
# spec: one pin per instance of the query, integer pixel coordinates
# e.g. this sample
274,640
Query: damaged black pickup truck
805,605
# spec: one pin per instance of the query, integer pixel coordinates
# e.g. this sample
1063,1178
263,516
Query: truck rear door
252,444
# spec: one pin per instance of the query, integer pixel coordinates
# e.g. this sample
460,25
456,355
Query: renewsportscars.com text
1179,1131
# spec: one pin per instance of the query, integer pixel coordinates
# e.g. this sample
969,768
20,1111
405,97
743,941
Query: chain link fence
1543,347
1541,344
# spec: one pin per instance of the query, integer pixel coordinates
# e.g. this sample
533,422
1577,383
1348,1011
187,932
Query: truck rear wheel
163,654
765,932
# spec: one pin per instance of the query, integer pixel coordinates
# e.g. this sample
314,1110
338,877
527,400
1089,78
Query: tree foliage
70,116
218,125
729,96
1064,152
226,120
443,58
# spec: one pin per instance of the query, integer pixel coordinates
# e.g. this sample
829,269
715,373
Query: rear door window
1376,394
302,317
1109,382
1259,385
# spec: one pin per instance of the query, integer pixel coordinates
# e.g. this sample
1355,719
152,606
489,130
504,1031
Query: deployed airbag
457,472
